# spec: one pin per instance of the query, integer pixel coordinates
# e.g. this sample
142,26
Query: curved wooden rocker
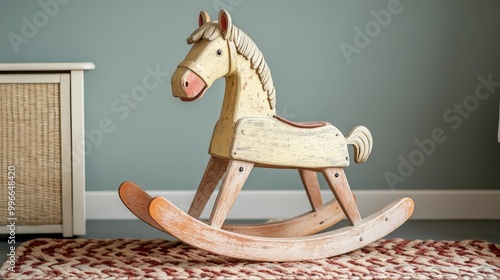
137,201
249,134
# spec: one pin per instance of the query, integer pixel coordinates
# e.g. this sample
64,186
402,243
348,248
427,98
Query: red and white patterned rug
160,259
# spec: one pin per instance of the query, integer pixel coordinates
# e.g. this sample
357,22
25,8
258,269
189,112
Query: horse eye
219,52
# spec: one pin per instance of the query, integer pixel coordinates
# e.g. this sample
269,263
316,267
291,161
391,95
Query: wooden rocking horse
249,134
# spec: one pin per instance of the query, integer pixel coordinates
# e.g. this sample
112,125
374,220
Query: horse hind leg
311,185
337,181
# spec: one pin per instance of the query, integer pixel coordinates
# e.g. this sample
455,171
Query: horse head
210,58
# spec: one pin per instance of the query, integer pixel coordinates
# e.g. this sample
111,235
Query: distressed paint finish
248,134
258,248
236,175
271,142
340,187
311,184
244,97
216,168
137,201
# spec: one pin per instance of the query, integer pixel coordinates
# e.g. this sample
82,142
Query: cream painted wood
30,78
244,97
249,134
51,66
78,151
71,79
66,171
268,141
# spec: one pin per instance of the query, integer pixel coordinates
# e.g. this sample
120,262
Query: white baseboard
429,204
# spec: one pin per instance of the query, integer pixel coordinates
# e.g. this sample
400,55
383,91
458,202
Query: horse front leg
214,171
236,175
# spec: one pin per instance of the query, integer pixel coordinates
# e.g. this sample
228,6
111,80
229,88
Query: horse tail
361,139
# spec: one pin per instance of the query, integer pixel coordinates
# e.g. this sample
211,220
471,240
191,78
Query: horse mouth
188,85
189,99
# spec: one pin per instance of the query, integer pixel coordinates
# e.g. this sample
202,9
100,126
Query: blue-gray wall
426,81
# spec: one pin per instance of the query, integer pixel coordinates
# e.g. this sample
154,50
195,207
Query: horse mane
246,47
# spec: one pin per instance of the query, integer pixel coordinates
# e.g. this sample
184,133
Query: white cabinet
42,148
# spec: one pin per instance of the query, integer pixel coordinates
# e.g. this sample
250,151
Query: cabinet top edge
63,66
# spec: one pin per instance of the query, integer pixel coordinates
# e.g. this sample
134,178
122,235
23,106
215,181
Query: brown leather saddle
314,124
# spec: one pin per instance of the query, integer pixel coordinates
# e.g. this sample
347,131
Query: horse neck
244,95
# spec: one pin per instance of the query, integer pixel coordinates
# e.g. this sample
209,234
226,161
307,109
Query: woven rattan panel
30,141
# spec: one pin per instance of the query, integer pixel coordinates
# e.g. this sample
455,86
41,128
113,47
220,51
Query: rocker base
241,246
137,200
281,241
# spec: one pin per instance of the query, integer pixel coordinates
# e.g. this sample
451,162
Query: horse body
222,50
271,142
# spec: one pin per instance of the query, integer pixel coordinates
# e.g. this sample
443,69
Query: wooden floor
437,230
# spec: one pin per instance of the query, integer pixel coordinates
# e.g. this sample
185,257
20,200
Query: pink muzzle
187,85
192,85
189,81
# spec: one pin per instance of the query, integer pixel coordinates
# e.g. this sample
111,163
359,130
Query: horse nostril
186,83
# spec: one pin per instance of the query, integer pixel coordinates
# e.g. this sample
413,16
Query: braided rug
160,259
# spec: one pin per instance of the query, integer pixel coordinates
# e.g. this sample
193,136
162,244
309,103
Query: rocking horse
249,134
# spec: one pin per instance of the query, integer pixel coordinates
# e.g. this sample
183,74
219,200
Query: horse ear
225,23
203,18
